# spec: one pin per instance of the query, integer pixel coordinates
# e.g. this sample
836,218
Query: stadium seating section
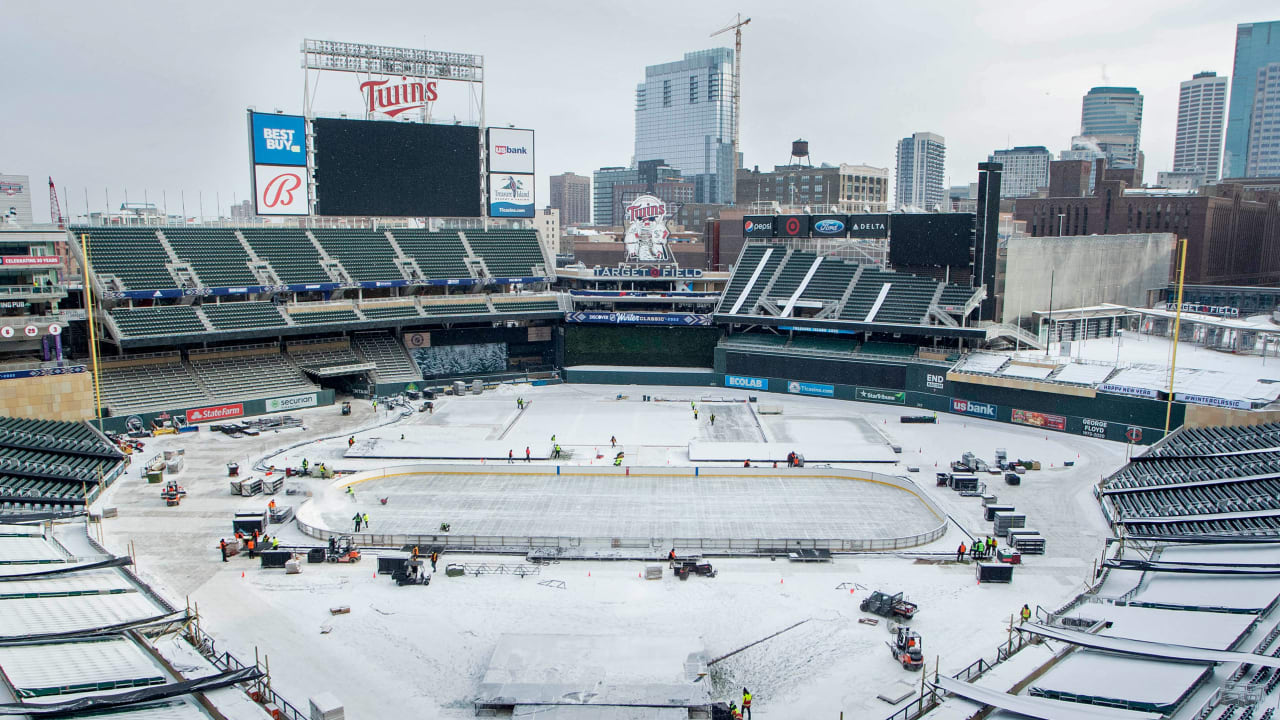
455,308
46,464
137,256
507,253
393,362
324,317
216,255
243,315
365,254
547,305
441,255
167,320
323,354
375,312
291,253
147,384
245,377
854,293
134,255
1201,481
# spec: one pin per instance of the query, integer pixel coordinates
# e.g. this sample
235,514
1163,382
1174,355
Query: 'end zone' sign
218,412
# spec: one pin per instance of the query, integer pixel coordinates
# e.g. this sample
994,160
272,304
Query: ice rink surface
446,632
637,506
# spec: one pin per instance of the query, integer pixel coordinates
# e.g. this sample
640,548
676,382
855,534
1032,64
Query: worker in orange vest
960,551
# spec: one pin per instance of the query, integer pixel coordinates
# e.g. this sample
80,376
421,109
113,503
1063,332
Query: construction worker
671,557
556,451
511,456
434,557
275,543
693,406
553,439
351,493
617,461
304,466
351,441
713,418
695,414
365,518
960,551
746,463
734,712
1026,613
222,545
252,548
746,702
375,406
991,543
613,440
356,519
526,453
272,505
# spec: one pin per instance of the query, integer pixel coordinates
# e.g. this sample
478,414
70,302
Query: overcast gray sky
150,96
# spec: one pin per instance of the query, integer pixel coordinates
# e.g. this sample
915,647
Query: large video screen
394,169
930,238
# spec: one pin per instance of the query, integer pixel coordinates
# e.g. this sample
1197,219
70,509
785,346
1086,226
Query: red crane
55,210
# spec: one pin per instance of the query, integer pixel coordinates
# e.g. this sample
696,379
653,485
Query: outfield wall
224,412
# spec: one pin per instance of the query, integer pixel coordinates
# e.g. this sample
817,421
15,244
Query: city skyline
1004,92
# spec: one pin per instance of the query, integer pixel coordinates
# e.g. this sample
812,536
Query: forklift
907,648
342,550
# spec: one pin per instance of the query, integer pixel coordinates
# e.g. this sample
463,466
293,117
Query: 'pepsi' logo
748,226
829,227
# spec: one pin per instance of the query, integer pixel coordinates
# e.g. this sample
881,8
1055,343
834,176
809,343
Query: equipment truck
886,605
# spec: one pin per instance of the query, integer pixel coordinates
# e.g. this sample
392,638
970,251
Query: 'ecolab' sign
218,412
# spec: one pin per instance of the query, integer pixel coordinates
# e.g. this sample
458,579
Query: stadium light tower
736,27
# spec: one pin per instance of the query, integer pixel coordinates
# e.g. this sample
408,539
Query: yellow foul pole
1177,325
93,333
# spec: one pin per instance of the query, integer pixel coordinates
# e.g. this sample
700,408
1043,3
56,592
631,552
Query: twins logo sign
280,190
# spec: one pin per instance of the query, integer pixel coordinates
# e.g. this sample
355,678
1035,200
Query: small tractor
342,550
886,605
907,648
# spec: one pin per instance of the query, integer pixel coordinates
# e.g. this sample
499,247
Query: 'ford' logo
828,227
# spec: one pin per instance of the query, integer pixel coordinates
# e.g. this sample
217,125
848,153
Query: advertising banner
828,225
279,190
638,318
1040,420
969,407
417,340
27,260
805,388
510,196
868,226
291,403
41,372
278,139
791,226
647,234
758,226
217,412
880,396
747,382
510,150
1127,390
1213,401
640,273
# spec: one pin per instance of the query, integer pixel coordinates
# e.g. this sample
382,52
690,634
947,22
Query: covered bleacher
392,363
292,255
778,281
48,464
327,357
144,382
439,255
248,372
1200,481
366,255
508,252
133,255
215,254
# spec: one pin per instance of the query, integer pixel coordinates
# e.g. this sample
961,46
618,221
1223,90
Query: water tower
800,153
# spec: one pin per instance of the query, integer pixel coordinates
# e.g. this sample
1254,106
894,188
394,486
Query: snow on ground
1140,349
424,649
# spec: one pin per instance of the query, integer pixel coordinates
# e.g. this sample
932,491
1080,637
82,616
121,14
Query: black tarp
133,697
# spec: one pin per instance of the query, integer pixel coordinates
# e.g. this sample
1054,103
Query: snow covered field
423,650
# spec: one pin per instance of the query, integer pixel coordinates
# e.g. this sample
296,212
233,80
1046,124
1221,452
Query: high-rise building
15,200
1026,170
1202,109
1257,45
840,188
571,195
613,184
547,222
1263,158
921,163
1113,117
684,116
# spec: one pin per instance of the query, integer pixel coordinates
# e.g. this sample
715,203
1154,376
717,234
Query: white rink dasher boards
648,503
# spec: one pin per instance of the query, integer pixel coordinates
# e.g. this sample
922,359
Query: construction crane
736,27
55,210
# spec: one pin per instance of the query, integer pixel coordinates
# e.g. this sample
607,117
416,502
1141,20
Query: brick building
1232,233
